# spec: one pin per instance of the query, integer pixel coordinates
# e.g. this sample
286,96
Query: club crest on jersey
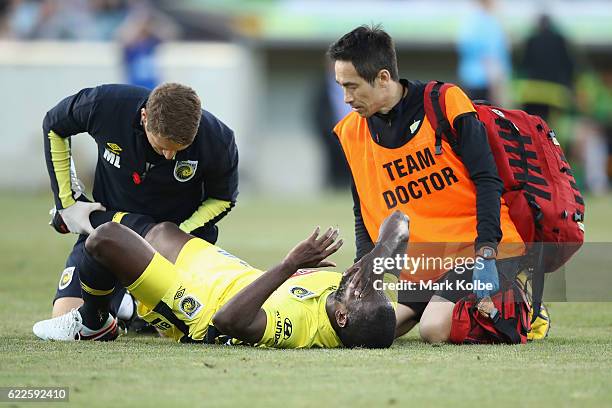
190,306
184,170
66,278
300,292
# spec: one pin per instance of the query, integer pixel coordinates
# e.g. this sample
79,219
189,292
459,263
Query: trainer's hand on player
312,252
76,217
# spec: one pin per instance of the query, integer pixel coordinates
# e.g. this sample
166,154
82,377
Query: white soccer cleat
63,328
69,327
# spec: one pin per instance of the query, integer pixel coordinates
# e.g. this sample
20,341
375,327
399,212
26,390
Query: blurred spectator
63,19
51,19
108,16
142,32
547,72
5,12
329,108
24,18
484,58
592,130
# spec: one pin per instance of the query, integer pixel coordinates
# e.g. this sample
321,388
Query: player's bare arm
242,317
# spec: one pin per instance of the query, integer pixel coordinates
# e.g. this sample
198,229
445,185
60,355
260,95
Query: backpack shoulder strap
435,108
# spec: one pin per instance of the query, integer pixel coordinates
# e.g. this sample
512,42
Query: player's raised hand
76,216
313,251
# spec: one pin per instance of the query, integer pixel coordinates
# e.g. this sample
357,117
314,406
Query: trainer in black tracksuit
194,190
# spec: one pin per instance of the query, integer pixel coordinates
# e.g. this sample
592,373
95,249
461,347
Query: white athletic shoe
69,327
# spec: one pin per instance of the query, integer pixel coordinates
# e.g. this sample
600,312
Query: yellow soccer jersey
202,280
184,297
296,313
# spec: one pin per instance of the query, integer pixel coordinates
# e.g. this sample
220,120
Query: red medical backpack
510,326
539,187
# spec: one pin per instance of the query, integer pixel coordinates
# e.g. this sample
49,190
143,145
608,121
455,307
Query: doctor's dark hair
174,112
369,49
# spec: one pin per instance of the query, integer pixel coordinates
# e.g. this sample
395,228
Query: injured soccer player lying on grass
193,291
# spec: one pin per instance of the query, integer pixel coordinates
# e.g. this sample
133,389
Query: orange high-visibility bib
435,191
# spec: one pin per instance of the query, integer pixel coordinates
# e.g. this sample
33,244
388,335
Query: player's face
363,97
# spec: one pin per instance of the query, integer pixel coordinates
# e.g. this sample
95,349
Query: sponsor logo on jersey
300,292
288,329
66,278
284,329
112,158
114,148
278,329
179,293
190,306
184,170
161,325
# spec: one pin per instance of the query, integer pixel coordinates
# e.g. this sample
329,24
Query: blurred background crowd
259,65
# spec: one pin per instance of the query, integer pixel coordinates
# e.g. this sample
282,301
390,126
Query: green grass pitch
571,368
